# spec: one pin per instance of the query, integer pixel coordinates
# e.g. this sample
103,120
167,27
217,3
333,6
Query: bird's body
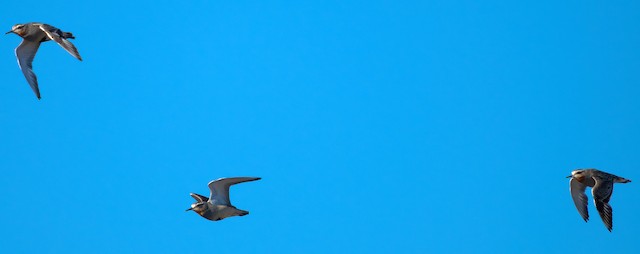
32,35
219,212
602,188
218,205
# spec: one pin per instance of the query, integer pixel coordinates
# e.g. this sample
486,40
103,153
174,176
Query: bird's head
18,29
197,207
578,174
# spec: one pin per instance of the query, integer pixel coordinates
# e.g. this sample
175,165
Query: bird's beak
569,176
9,32
189,209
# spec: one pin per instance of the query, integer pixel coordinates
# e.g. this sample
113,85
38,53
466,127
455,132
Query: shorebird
218,206
601,184
32,35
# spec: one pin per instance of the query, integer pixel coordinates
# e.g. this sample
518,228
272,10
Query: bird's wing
198,197
220,189
579,198
25,52
52,33
601,194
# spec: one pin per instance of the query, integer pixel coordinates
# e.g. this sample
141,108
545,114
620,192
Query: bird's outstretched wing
579,198
220,189
56,35
601,192
25,52
198,197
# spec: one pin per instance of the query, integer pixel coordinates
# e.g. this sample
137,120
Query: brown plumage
602,189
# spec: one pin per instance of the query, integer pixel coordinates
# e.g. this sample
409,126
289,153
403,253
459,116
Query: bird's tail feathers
622,180
67,35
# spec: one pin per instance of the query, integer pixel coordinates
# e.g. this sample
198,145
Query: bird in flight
601,184
32,35
218,205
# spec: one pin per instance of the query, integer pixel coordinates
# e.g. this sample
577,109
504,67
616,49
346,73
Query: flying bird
601,184
218,206
32,35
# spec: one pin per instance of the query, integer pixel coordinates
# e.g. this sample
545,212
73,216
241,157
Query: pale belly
225,211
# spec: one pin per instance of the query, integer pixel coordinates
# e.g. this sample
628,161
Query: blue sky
377,126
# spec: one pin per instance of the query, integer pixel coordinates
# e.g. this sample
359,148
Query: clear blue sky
377,126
